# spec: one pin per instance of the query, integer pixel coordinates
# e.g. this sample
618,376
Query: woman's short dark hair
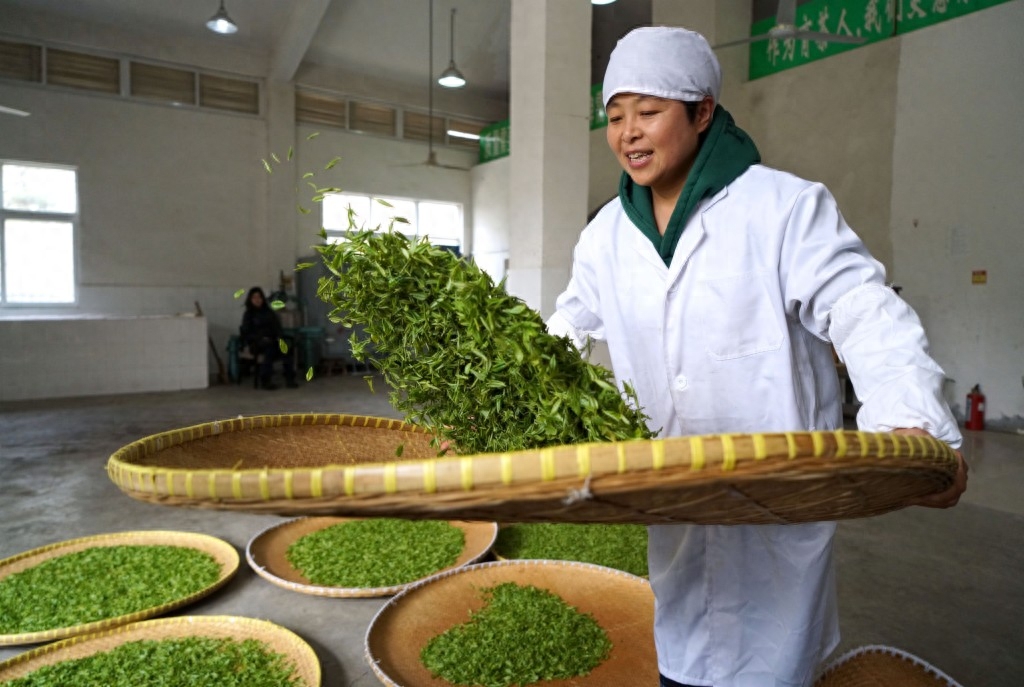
691,109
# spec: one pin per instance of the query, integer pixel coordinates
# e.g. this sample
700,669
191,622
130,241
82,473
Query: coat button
681,383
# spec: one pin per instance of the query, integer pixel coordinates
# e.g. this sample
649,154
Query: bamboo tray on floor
348,465
267,555
220,550
275,637
622,604
875,666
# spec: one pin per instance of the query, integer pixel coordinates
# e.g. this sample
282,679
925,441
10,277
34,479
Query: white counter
56,356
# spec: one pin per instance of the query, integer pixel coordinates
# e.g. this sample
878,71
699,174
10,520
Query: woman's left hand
949,497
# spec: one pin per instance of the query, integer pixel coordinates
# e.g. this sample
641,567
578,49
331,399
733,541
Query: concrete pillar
549,145
282,216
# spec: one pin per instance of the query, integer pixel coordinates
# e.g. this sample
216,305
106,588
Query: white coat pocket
738,316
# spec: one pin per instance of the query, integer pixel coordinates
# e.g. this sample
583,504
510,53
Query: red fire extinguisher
975,409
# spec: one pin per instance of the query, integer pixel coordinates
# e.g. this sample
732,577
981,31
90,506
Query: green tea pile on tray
522,635
99,583
619,546
380,552
468,361
190,662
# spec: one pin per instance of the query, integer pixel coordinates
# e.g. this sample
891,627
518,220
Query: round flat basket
622,604
276,638
221,551
357,466
267,555
871,666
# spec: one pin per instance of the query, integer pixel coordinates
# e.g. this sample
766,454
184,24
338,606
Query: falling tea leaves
464,358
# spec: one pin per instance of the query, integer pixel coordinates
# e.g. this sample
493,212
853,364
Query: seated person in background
260,332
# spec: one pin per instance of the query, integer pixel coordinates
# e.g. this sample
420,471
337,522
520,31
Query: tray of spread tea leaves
356,557
619,546
187,651
92,583
509,623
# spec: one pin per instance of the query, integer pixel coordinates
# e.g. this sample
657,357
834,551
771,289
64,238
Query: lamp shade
221,22
452,77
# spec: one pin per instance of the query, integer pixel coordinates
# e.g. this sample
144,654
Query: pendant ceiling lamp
452,77
221,22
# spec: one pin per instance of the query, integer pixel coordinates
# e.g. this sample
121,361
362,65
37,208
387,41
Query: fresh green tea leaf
524,634
463,358
99,583
353,554
187,662
619,546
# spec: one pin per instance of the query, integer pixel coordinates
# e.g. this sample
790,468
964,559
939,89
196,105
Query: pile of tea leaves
99,583
619,546
377,552
522,635
189,662
464,358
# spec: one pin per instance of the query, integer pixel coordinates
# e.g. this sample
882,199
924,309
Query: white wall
176,206
50,357
172,202
958,200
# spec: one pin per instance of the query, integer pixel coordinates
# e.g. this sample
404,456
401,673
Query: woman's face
256,299
654,139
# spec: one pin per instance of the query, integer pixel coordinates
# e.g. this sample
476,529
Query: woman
260,333
720,286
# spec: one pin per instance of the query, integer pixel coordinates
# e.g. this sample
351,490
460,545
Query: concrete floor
947,586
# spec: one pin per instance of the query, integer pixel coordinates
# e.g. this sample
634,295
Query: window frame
74,219
335,234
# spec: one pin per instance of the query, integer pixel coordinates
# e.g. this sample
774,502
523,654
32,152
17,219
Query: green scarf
726,153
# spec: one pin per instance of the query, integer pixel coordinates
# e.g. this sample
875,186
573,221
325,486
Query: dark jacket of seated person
260,332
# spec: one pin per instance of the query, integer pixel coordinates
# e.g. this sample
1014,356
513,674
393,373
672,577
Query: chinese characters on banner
873,20
494,141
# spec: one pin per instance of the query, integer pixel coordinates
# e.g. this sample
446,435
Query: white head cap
663,61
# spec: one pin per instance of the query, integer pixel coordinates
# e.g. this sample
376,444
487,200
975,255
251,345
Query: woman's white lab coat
734,336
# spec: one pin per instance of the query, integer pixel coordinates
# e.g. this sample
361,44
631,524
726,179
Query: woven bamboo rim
275,637
267,555
346,465
876,665
622,604
221,551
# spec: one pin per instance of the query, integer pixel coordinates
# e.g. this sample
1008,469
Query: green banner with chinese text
873,20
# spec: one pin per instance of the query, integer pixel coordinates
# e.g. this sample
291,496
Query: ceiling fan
431,160
785,28
13,111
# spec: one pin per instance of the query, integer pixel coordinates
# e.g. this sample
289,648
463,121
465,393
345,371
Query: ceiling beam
296,38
